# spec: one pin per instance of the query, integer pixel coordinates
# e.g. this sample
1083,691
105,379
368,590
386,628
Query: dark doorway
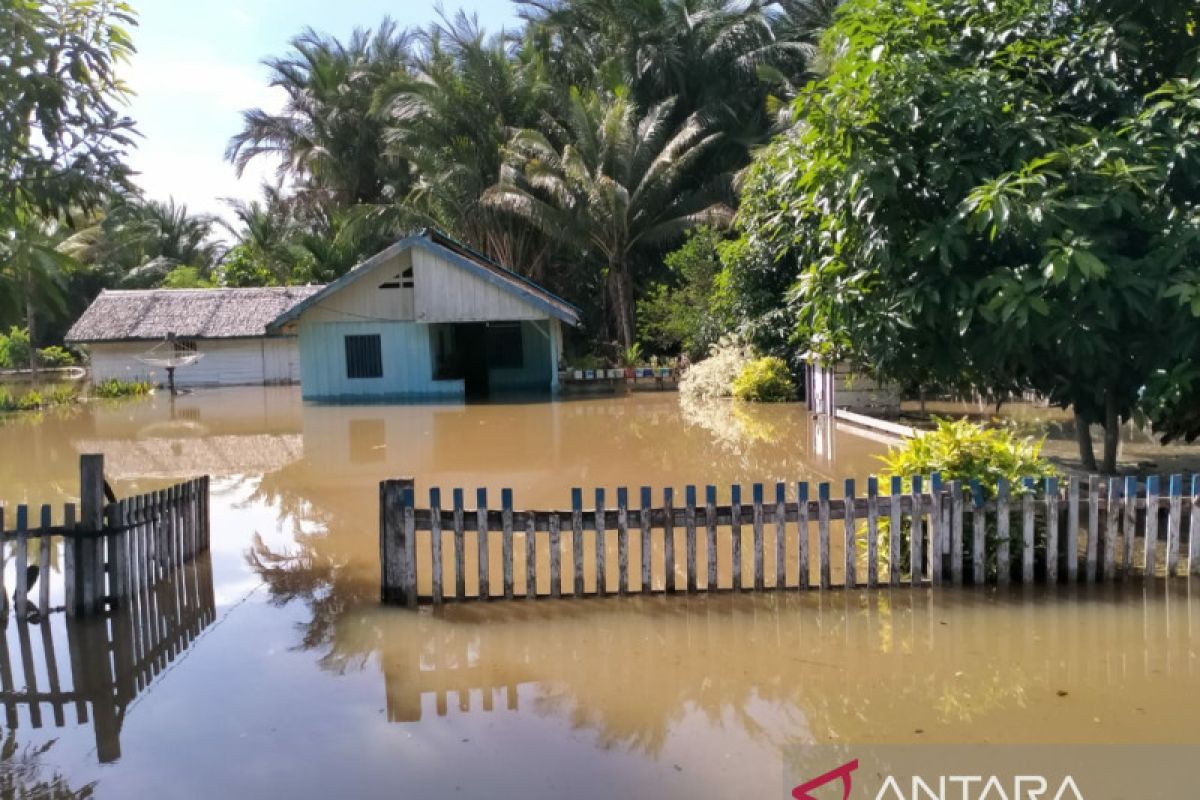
470,340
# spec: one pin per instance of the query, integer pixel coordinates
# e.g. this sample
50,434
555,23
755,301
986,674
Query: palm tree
328,138
450,118
615,184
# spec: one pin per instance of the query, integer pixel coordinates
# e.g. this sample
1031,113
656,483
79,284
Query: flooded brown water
288,679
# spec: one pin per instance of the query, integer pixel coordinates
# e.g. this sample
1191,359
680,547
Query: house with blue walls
427,318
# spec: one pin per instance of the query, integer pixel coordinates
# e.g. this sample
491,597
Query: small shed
427,318
226,327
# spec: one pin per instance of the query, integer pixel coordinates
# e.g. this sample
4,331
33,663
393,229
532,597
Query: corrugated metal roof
152,314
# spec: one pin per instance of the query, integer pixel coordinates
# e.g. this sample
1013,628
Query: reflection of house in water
96,667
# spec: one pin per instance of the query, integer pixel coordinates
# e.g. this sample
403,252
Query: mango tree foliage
1001,195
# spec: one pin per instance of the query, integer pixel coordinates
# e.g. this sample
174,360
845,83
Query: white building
226,327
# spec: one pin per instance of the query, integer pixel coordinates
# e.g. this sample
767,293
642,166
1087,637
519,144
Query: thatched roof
149,315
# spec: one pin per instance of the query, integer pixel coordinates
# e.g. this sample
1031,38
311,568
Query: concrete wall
225,362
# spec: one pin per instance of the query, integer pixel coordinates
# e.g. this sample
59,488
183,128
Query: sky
198,66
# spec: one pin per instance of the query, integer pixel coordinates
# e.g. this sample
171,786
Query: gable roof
151,314
461,256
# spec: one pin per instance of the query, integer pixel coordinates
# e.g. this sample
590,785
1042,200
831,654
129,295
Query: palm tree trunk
30,325
621,284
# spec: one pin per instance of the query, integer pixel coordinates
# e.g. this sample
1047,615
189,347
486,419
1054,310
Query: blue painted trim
533,294
690,495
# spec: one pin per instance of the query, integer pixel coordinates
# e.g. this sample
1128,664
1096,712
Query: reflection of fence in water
902,647
98,665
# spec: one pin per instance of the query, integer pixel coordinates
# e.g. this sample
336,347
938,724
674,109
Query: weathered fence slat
1071,545
1052,545
1174,519
710,535
1093,529
780,535
22,577
916,549
1194,527
1003,565
435,543
481,525
735,537
577,540
872,532
936,529
978,535
956,533
647,548
670,580
849,537
1129,525
622,540
44,543
1112,521
894,530
690,536
555,556
601,550
506,543
1151,529
1027,536
823,534
460,556
802,530
531,590
756,496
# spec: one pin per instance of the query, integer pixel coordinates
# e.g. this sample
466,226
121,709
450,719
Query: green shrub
114,387
61,396
55,357
765,380
960,450
14,349
714,376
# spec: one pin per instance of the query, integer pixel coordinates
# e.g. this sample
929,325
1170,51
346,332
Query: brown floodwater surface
271,670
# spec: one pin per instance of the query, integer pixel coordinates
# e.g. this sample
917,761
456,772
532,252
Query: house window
401,280
505,345
364,357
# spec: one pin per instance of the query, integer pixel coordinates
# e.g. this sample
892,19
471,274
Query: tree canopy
1002,195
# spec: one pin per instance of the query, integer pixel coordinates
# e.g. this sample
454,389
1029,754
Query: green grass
113,388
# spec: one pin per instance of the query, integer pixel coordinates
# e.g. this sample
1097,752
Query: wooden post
710,536
917,546
1027,536
506,542
622,540
823,534
872,532
44,544
91,497
756,497
978,535
1003,563
389,543
481,526
1174,519
1052,530
689,521
409,534
460,556
1151,528
735,537
435,543
849,537
895,530
601,550
802,532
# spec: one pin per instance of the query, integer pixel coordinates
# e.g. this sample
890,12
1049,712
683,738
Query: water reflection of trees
24,775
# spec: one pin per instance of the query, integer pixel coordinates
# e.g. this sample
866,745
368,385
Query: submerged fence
111,551
98,666
919,533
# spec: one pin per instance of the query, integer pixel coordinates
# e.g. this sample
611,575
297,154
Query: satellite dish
165,355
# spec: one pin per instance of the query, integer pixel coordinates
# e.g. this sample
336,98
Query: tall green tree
329,139
613,182
1001,195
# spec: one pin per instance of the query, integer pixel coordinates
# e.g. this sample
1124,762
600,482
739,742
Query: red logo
801,792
